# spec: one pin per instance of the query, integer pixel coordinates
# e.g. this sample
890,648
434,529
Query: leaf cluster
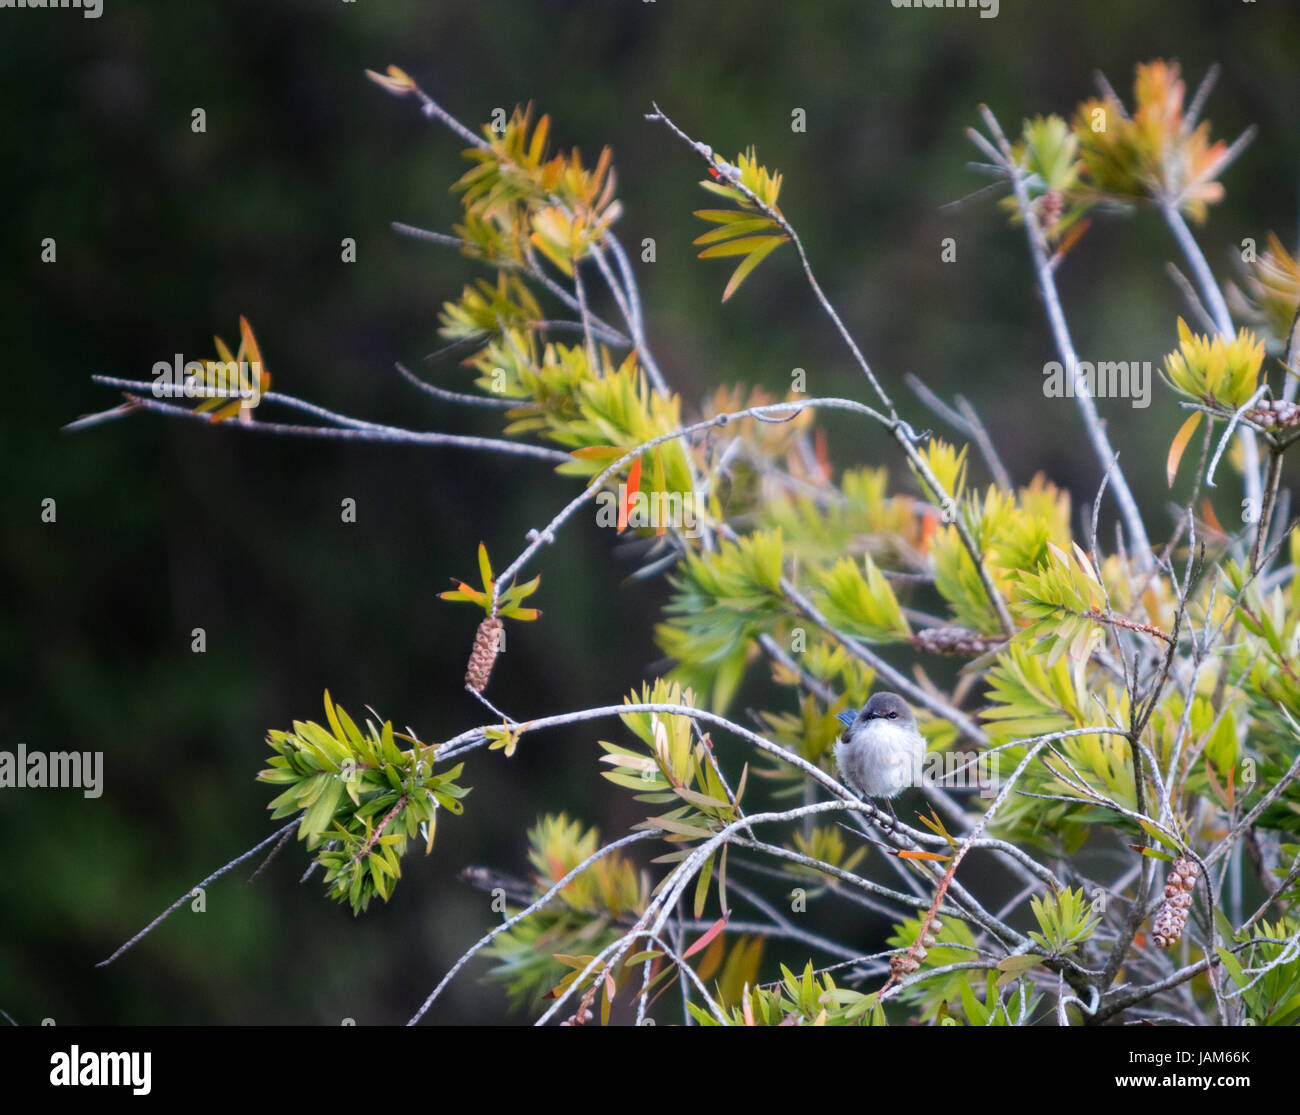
361,798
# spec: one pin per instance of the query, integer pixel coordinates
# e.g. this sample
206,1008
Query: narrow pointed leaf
752,261
741,246
1179,445
713,930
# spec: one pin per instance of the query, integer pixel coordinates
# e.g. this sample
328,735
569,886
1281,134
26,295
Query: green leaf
736,228
977,1013
702,887
1234,968
632,781
349,728
331,717
724,216
1223,925
321,811
753,260
704,801
678,827
741,246
642,957
1013,967
1157,835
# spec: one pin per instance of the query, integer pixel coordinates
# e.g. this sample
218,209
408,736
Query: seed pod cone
483,657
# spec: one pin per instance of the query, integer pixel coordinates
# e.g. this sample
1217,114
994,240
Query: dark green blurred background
165,237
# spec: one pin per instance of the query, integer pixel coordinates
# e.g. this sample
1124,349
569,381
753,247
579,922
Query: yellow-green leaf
751,261
1013,967
740,246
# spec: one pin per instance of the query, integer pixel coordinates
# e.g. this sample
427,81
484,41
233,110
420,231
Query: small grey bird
881,751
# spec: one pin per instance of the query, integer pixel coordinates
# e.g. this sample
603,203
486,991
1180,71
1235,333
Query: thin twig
1194,303
1237,417
901,431
1061,333
967,422
526,912
189,894
456,396
355,430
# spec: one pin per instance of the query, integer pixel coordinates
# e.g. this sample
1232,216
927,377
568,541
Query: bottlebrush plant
1137,702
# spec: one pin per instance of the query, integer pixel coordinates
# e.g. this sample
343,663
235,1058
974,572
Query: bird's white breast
881,759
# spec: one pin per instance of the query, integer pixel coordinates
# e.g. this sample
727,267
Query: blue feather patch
847,717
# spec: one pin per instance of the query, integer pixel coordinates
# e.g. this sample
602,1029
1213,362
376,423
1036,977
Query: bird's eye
893,716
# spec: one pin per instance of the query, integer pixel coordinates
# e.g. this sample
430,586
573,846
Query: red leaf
1072,237
1210,518
823,457
633,486
713,930
929,525
1225,799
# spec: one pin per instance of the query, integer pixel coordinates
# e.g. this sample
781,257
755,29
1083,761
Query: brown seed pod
903,965
957,641
1171,919
487,645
